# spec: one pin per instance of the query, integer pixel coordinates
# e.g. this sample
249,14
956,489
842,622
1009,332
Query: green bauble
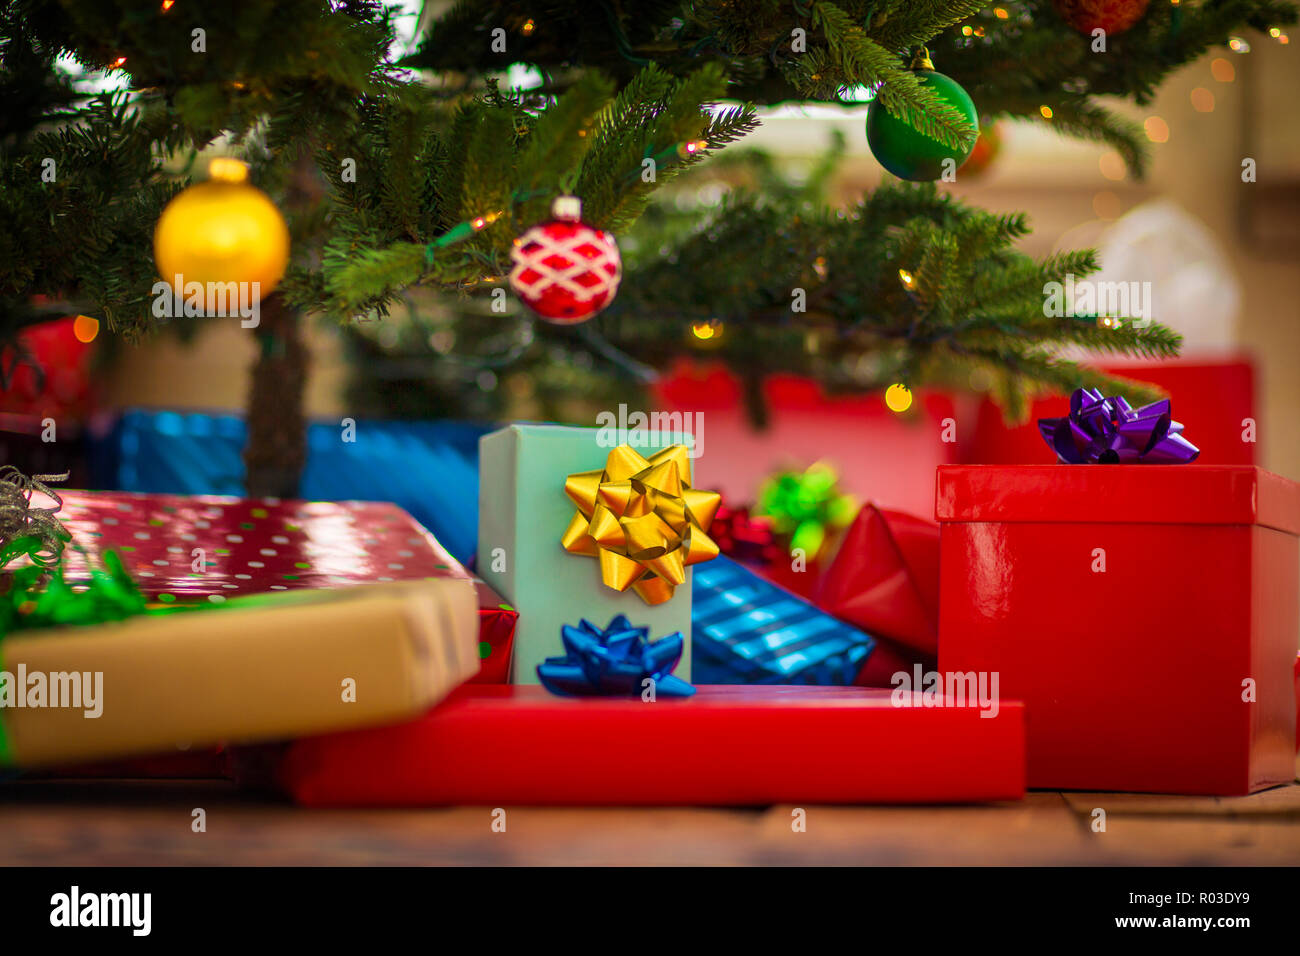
909,154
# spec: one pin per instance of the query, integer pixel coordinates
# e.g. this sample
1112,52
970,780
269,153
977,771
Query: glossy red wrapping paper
885,580
1146,615
725,746
252,546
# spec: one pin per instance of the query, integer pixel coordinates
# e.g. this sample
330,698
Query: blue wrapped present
747,630
428,468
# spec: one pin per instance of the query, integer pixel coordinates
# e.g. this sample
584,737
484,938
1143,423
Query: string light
908,280
1238,45
482,222
1109,322
1223,70
85,328
167,5
1157,129
527,29
898,398
119,62
706,331
1046,111
1000,13
1202,100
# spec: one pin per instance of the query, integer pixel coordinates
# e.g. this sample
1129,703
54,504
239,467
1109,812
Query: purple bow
1110,431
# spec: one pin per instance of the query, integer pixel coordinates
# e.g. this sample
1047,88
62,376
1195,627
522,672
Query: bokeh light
898,398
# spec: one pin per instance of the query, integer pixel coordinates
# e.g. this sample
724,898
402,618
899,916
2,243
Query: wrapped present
1145,614
885,580
571,527
256,668
428,468
748,630
745,537
1219,396
723,746
182,549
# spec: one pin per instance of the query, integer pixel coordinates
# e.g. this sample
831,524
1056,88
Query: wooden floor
128,823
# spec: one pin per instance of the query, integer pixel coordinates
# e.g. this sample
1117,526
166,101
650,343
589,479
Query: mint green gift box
523,513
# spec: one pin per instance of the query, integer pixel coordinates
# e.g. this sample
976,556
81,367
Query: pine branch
865,62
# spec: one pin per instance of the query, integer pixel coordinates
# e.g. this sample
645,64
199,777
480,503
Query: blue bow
614,662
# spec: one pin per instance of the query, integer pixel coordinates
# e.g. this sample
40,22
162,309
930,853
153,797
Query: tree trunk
277,431
276,450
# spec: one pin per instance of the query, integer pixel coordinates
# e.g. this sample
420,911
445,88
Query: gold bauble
223,230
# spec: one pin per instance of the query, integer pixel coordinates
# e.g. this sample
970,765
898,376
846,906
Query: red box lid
1118,494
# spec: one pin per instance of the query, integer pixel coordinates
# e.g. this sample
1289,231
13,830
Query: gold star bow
643,520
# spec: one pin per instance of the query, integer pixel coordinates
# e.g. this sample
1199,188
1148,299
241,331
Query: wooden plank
1040,830
1189,841
149,823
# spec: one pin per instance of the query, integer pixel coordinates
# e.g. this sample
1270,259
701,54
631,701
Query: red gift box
1145,614
251,546
1216,398
725,746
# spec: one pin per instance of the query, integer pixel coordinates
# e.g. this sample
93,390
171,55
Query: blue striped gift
747,630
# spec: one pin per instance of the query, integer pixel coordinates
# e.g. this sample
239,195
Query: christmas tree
408,180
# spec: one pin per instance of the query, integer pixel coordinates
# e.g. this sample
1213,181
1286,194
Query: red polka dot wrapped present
184,550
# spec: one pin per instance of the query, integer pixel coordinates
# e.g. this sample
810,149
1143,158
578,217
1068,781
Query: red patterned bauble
1113,16
564,270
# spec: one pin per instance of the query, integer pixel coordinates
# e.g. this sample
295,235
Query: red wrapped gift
885,580
189,549
1217,396
1145,614
724,746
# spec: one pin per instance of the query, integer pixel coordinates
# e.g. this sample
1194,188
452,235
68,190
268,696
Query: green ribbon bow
806,506
110,595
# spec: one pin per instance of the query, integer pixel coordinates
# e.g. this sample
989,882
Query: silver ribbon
19,519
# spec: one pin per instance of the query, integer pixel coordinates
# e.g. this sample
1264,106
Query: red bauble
564,270
62,350
1113,16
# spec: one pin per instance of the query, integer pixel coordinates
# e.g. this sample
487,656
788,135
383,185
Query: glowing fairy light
898,398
